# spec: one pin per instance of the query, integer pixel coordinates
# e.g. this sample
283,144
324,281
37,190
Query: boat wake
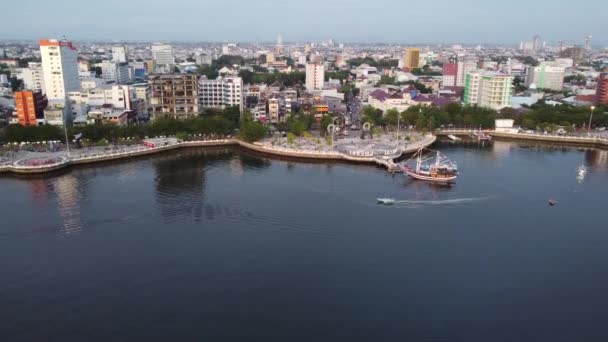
454,201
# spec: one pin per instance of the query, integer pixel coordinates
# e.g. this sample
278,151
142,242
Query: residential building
204,60
115,72
315,76
465,66
119,54
546,76
174,95
163,57
33,77
488,89
602,89
411,58
450,73
30,107
270,58
59,68
221,93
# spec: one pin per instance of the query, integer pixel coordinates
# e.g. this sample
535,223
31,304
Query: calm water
221,245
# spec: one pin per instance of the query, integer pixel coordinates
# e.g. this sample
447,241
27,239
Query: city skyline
382,21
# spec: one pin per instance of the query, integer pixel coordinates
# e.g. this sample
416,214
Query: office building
163,57
115,72
411,58
488,89
602,88
30,107
174,96
546,76
120,54
59,68
221,93
315,76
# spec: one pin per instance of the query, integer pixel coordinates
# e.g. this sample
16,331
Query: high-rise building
537,43
315,76
450,73
546,76
465,66
30,107
163,57
33,78
411,58
59,68
115,72
174,95
221,93
602,88
488,89
270,58
119,54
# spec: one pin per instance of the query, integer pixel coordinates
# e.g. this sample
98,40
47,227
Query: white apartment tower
59,68
119,54
221,93
315,76
488,89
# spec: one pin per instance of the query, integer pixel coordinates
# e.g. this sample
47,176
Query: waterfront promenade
50,163
594,141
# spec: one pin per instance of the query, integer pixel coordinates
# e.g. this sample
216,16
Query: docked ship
433,167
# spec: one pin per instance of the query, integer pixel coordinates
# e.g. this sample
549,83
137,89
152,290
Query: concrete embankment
386,161
555,139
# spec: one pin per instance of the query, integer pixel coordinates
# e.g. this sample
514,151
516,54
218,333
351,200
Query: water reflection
596,158
180,183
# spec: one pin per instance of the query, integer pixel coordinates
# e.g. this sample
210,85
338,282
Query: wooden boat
440,170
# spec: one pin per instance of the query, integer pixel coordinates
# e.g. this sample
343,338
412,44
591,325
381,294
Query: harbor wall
568,140
276,151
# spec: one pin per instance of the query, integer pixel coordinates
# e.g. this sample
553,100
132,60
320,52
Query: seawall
386,161
567,140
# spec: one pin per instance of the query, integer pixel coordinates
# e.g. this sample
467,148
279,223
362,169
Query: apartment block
30,107
488,89
221,93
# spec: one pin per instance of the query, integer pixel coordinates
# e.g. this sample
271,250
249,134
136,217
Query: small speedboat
552,202
386,201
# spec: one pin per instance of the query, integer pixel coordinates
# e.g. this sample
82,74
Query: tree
372,115
391,117
326,120
251,130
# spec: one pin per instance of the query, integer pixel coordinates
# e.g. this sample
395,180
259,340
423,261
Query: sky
365,21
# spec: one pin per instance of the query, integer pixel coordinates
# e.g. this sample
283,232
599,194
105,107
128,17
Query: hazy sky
401,21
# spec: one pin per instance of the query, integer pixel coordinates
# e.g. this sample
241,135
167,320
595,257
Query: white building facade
221,93
546,76
60,68
315,76
488,89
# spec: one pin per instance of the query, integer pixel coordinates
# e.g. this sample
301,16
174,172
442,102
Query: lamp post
590,119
